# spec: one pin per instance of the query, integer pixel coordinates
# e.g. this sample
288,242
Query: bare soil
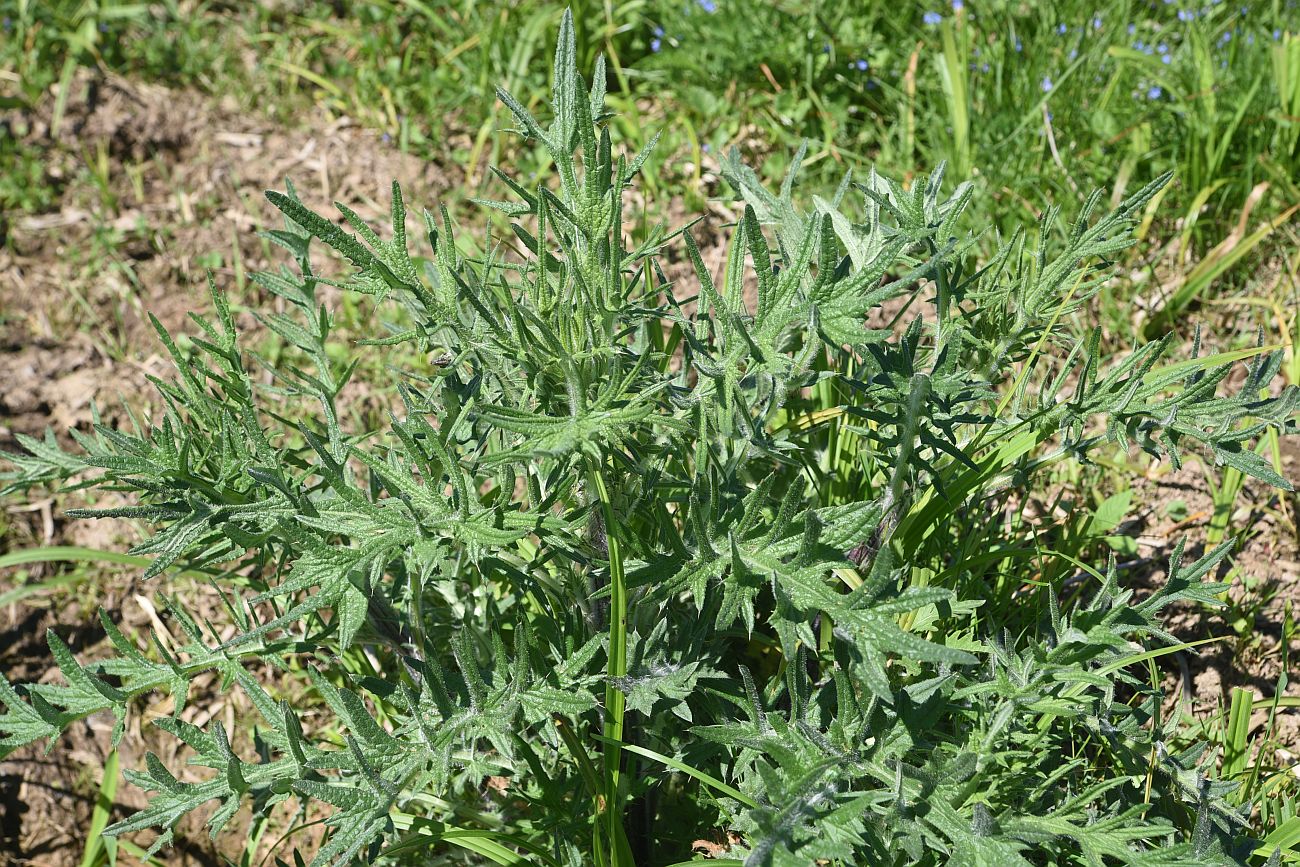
1263,575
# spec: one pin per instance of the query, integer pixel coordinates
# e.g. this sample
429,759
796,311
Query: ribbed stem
615,670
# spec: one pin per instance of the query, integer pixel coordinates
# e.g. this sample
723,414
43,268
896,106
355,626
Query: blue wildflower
957,5
1166,59
1131,29
708,6
1047,84
1096,22
984,67
1186,15
656,44
1277,34
705,147
861,66
1155,92
1074,52
1062,29
932,18
1162,48
658,31
1225,38
1019,45
385,138
1139,45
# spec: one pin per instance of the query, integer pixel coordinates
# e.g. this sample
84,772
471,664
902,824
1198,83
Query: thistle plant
671,560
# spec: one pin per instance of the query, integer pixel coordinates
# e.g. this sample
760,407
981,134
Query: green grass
992,88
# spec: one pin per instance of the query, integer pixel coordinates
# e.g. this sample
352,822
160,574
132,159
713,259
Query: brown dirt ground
184,176
1264,578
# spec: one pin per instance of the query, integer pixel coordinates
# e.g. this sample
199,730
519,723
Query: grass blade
1236,746
98,847
708,780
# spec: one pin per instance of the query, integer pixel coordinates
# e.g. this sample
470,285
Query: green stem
616,669
943,301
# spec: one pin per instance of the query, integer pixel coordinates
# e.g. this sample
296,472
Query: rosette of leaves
662,559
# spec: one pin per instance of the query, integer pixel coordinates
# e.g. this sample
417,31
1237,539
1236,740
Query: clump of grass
667,562
1068,97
